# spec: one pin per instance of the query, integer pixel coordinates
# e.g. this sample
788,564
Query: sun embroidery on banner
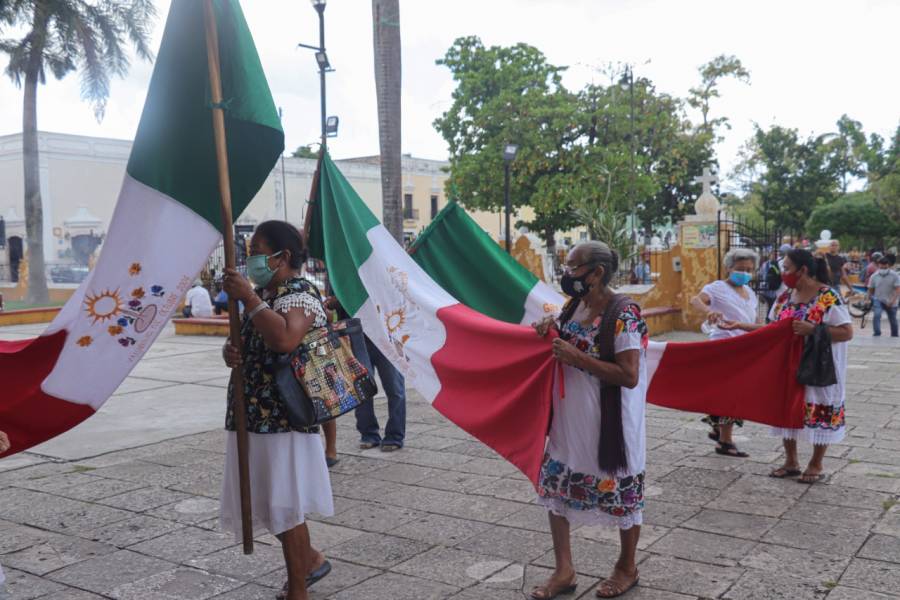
129,317
397,319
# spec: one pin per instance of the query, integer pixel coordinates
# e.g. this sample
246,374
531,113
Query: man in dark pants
394,386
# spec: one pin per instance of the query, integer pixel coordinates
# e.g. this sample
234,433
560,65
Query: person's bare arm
622,371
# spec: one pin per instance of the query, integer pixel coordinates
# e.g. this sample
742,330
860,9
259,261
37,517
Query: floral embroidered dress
571,482
824,422
725,299
288,474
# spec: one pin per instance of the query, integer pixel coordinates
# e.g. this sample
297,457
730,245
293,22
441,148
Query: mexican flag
166,224
492,378
463,259
750,376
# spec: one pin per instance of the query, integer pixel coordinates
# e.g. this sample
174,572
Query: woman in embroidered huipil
593,472
810,301
288,474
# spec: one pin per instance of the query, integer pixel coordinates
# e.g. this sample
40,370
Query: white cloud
810,61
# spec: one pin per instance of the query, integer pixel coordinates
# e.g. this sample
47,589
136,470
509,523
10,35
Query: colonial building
80,179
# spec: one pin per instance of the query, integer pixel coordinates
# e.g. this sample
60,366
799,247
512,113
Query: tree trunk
386,29
34,213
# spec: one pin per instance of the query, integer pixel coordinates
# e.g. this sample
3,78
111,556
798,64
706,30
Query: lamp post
509,154
322,61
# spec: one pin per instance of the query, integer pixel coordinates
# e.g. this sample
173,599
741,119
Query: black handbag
326,376
817,362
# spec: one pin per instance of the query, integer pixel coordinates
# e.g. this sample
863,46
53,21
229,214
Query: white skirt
288,480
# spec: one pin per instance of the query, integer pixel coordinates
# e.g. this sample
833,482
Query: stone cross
707,179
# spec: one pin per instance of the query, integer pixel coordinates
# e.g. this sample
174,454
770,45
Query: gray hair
736,254
600,254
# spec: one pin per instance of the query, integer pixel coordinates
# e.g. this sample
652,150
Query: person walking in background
770,279
837,265
872,266
884,291
729,299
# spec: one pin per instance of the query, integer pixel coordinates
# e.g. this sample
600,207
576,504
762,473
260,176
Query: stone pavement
125,506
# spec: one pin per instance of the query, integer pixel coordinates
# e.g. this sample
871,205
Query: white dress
288,473
571,482
824,420
725,299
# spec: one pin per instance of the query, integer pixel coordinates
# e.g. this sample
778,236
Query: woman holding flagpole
288,473
729,299
810,301
593,471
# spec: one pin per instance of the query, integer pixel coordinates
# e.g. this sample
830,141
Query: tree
63,36
305,152
855,216
386,26
509,95
711,74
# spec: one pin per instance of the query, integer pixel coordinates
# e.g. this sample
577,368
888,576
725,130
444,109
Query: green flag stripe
337,234
453,250
174,150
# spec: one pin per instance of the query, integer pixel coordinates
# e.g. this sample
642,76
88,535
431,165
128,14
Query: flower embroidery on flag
135,269
110,305
85,341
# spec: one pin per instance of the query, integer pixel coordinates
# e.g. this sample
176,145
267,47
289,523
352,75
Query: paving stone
814,512
144,499
448,530
804,564
820,537
14,537
701,546
71,594
233,563
872,575
531,517
56,552
397,587
846,496
667,514
517,544
480,592
702,477
105,573
189,511
54,513
751,527
685,494
24,586
183,544
325,536
687,577
601,533
343,575
890,522
181,583
882,547
460,482
751,504
774,586
452,566
376,517
378,550
843,592
98,488
537,575
402,473
131,531
593,559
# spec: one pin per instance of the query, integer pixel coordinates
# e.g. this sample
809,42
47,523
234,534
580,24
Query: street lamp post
322,61
509,154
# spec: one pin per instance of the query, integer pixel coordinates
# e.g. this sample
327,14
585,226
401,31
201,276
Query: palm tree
63,36
386,26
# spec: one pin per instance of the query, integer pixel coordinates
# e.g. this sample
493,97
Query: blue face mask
740,278
258,269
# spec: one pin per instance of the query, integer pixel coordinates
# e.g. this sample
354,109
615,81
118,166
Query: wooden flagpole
237,377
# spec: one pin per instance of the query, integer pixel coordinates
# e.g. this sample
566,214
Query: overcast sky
810,61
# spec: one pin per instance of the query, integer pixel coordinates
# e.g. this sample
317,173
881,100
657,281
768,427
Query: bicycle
859,304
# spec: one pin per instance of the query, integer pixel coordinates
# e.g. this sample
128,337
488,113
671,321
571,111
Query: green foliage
711,74
605,150
305,152
67,35
855,216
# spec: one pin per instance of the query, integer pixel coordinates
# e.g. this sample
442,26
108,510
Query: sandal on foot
714,434
614,589
548,593
368,445
390,447
784,473
726,449
323,570
810,479
331,461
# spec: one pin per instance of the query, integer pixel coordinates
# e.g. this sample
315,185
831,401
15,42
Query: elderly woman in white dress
288,474
808,302
593,471
729,299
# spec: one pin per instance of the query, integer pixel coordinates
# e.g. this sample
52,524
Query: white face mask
884,271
